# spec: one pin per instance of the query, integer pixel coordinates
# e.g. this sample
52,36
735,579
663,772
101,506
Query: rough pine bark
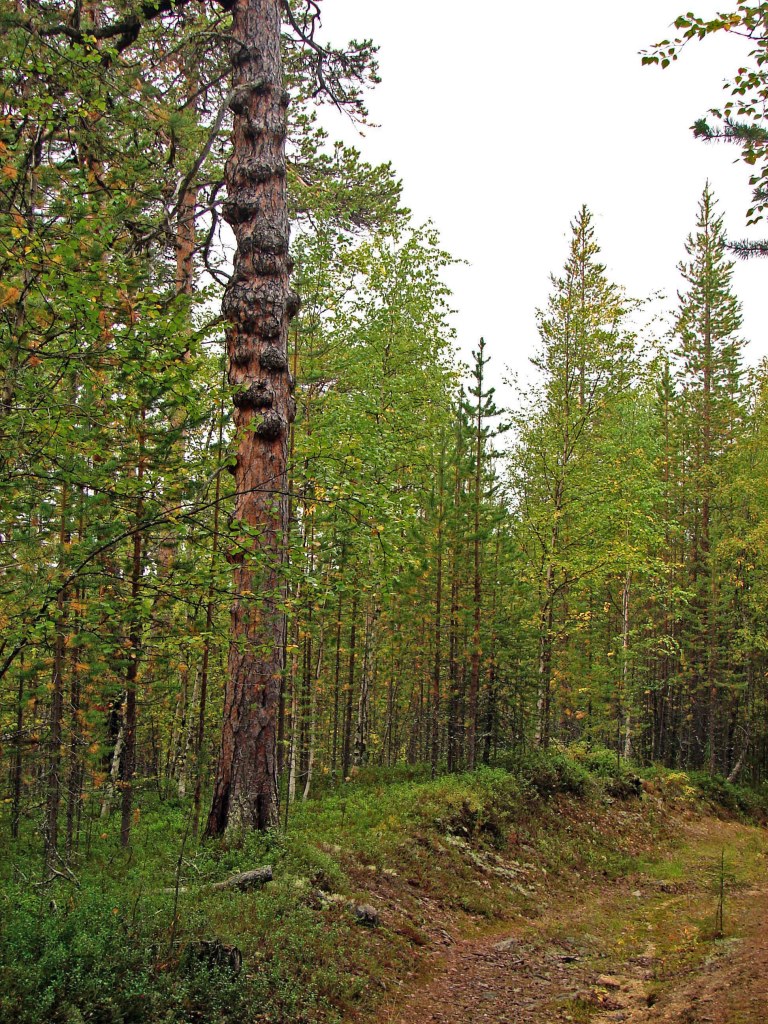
258,303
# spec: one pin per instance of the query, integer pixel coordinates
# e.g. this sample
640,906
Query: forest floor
643,948
560,888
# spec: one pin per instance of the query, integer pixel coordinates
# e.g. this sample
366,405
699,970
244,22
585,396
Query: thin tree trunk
209,617
76,764
114,768
132,674
739,765
75,775
179,729
453,673
53,793
491,710
290,519
312,716
292,760
189,738
363,707
346,757
293,676
546,627
544,701
628,751
336,692
477,591
454,738
18,761
438,632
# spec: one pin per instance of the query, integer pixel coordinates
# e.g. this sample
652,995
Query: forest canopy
409,574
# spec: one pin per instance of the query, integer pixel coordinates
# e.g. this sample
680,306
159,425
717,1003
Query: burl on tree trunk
258,303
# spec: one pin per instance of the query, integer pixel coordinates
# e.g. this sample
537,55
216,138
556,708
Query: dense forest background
586,567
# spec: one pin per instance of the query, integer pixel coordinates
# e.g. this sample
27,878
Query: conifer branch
746,249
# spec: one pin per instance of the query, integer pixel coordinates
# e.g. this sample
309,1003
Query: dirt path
639,950
731,987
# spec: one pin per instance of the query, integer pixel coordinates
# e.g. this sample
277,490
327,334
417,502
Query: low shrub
554,771
738,799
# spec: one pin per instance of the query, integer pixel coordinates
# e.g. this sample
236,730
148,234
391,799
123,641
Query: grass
667,911
460,852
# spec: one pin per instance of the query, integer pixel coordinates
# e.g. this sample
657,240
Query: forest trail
639,949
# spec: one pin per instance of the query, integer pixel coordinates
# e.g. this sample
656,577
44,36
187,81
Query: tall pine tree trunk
258,304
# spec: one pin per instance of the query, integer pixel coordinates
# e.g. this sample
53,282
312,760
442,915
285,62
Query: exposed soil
731,987
640,950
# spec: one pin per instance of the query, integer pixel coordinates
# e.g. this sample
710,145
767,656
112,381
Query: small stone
367,915
606,981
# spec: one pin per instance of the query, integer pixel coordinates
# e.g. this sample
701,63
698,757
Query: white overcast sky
502,118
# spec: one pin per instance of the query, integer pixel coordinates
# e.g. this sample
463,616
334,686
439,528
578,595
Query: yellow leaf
8,295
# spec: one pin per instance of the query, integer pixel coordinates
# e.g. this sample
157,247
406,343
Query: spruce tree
708,349
481,410
585,363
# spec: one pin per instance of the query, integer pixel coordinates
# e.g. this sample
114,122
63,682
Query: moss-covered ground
114,940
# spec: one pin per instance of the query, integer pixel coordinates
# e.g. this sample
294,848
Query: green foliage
556,773
103,952
547,772
480,806
740,120
86,959
428,595
742,800
601,762
92,959
582,470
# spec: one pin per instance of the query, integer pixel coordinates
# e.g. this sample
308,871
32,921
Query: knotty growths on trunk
258,304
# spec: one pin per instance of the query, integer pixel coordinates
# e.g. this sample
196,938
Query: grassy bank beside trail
140,937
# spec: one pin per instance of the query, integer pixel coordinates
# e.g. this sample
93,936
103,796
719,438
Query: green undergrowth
119,941
680,909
